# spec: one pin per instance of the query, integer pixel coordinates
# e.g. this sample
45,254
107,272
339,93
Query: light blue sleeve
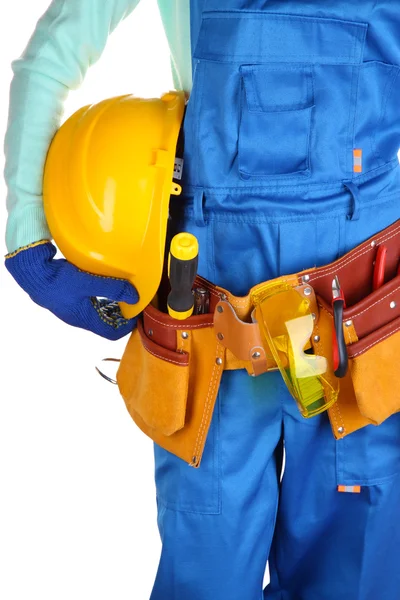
69,38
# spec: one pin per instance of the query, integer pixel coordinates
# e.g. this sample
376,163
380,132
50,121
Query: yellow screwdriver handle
182,271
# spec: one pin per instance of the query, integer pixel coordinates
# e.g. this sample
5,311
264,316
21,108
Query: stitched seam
369,482
340,414
349,143
375,342
373,142
40,243
377,302
211,388
335,406
356,255
172,326
354,103
266,218
368,307
333,412
277,187
255,14
165,359
186,508
241,303
206,413
102,276
387,95
300,57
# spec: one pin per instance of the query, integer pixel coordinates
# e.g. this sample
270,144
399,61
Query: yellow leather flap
154,384
375,378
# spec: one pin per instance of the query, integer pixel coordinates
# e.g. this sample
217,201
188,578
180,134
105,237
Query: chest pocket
276,97
277,103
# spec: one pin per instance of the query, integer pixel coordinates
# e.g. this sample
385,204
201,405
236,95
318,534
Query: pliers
340,357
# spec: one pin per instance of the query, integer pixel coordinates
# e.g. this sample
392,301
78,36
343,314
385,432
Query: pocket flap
154,383
277,88
374,371
266,37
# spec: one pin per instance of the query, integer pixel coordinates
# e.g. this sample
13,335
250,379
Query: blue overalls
291,138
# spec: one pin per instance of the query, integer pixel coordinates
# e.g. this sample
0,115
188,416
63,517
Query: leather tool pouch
170,373
375,372
369,393
169,378
372,332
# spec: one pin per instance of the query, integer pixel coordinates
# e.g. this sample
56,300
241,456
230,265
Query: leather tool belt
170,372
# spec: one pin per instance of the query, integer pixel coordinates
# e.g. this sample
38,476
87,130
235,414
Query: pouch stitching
242,302
200,434
365,309
211,388
377,302
317,328
336,405
335,411
384,337
172,326
161,357
336,415
357,255
349,334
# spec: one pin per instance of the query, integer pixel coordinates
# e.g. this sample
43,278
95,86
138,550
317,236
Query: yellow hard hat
107,183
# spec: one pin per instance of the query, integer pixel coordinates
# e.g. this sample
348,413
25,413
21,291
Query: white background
77,498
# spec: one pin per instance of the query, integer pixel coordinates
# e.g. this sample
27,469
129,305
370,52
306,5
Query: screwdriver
182,271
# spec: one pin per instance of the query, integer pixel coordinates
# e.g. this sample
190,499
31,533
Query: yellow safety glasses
286,323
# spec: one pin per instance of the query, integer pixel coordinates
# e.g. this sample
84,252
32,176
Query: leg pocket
370,455
182,488
171,393
274,134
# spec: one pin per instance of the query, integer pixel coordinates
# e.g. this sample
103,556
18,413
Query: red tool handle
379,268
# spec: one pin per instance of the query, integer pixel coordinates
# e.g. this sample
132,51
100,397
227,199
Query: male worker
291,138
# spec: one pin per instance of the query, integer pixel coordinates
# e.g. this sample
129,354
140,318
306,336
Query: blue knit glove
76,297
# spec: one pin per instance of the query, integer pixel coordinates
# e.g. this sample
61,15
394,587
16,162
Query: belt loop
355,194
198,211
